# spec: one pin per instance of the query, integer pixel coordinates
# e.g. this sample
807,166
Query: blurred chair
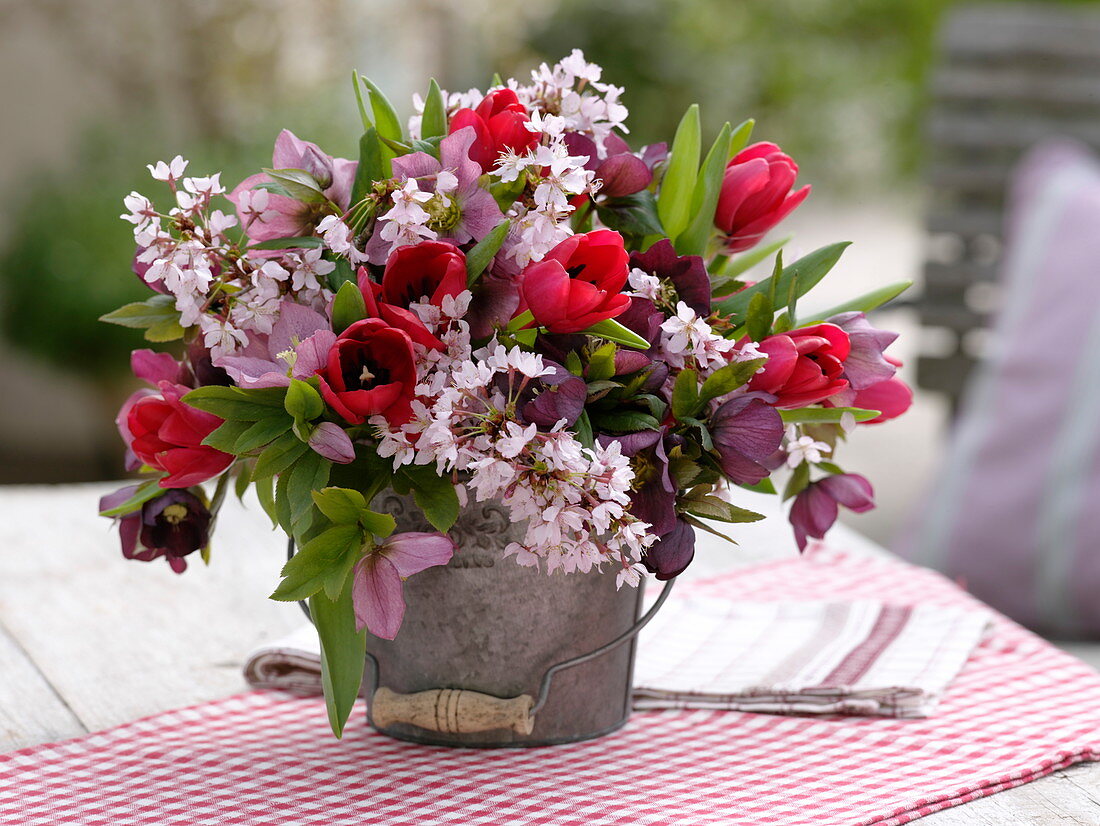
1009,76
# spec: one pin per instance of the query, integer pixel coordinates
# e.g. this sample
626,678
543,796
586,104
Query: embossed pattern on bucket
484,623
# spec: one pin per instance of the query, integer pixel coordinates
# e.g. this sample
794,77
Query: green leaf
237,403
703,526
308,474
282,505
363,116
340,505
302,401
274,188
809,270
225,436
730,268
704,202
379,524
626,421
614,331
348,307
481,255
244,478
145,491
279,455
153,312
434,120
265,492
341,275
704,435
167,330
758,318
304,573
300,184
729,378
711,507
263,432
634,215
386,122
798,481
765,485
371,167
826,415
583,429
298,242
678,186
740,137
685,394
435,496
343,652
601,364
864,303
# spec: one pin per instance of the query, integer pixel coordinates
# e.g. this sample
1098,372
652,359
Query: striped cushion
1015,511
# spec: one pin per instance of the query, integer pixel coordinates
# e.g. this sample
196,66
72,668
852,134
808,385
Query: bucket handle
458,711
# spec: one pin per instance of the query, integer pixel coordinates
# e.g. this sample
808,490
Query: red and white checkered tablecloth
1019,709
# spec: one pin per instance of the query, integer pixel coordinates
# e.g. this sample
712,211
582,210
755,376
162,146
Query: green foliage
343,652
635,216
678,185
434,121
704,200
348,306
806,272
825,415
616,332
434,495
481,254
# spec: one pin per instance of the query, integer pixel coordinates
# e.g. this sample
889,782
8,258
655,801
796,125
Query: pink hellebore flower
296,348
265,215
376,589
472,212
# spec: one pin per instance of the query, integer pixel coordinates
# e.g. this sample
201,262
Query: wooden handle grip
453,711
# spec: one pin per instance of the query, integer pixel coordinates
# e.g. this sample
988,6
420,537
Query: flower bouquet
499,301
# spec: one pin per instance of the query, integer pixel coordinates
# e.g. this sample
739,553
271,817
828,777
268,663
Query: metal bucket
495,654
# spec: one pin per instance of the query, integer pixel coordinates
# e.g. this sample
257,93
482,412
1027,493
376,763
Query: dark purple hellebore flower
553,397
746,432
815,509
620,171
653,500
687,273
172,525
671,553
643,317
865,364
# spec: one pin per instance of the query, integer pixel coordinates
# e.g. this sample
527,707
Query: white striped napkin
858,657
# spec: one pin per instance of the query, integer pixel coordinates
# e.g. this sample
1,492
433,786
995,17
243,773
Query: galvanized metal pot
483,656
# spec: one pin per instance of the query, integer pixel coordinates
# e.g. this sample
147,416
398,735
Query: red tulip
432,269
500,123
167,434
578,283
804,366
756,194
370,370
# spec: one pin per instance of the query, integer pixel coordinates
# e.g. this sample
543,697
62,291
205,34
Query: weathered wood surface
89,640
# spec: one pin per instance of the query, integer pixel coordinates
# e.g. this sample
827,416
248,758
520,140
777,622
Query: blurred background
856,90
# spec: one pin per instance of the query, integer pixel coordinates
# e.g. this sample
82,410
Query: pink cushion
1015,511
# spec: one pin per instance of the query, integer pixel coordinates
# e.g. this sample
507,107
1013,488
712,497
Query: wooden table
89,640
